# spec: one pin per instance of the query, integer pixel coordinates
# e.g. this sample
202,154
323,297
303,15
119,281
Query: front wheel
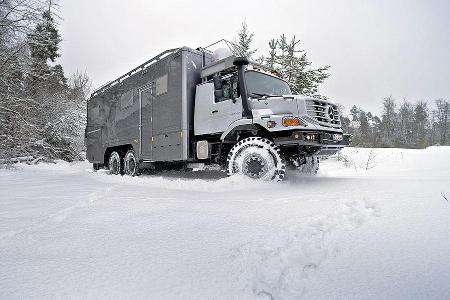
304,164
257,158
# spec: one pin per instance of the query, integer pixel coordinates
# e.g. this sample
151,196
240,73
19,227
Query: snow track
278,266
372,224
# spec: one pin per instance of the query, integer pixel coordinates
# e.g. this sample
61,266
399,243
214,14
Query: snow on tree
389,120
420,124
244,40
295,68
288,59
43,43
272,58
406,124
41,111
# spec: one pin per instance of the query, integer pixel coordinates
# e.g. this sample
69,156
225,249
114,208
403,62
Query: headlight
291,121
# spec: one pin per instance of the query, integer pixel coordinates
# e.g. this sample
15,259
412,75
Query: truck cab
238,100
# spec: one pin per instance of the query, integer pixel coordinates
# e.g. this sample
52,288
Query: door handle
215,111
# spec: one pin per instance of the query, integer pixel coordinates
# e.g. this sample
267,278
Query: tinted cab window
230,89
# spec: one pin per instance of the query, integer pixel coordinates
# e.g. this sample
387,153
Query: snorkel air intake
240,63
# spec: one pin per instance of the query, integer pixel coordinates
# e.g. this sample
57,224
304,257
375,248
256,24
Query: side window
126,100
161,85
230,90
226,86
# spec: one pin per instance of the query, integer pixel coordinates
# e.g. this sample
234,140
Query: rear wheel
96,167
115,164
257,158
131,166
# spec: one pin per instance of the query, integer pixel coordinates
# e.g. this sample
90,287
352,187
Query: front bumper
323,143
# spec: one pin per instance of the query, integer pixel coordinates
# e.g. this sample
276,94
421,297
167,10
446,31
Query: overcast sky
375,48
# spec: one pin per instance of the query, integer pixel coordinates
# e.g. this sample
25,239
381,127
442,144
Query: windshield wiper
262,95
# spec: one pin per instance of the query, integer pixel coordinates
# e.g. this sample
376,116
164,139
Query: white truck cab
237,99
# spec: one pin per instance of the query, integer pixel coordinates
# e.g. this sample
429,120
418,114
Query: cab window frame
233,87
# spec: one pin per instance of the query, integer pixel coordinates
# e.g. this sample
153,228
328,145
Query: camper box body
151,109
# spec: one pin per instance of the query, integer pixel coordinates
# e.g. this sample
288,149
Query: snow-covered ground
373,225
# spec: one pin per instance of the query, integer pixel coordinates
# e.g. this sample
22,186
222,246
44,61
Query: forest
402,123
43,110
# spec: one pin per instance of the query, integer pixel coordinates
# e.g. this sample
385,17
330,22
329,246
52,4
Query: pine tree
244,41
389,121
272,59
286,58
292,63
406,124
364,129
420,124
345,123
442,114
354,113
44,45
377,134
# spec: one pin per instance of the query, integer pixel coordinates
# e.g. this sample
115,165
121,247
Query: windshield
263,84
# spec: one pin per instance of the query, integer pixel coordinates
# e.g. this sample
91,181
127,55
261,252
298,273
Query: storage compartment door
146,128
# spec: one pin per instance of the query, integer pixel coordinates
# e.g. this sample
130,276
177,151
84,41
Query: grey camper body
151,110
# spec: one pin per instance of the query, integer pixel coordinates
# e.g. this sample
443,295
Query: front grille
325,113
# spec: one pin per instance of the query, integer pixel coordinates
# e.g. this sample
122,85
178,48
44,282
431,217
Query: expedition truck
193,108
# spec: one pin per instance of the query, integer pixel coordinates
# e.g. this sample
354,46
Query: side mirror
218,94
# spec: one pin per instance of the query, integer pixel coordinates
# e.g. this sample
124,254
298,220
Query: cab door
224,110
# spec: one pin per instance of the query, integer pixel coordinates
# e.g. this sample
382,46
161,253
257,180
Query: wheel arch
244,128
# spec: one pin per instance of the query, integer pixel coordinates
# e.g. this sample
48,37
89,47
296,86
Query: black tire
115,164
131,165
96,167
257,158
305,164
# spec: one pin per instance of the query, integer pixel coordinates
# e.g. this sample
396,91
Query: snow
373,224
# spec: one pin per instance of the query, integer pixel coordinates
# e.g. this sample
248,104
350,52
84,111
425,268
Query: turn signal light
291,122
